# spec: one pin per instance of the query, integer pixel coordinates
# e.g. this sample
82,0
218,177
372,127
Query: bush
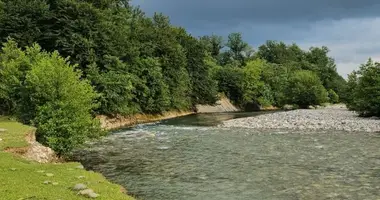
13,65
305,89
366,95
333,97
44,90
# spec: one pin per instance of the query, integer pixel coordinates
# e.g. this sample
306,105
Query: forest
63,62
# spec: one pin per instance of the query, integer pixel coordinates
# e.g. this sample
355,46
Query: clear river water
190,158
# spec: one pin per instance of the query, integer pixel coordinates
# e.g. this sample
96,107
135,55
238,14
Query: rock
79,186
49,174
47,182
2,130
1,139
162,148
332,117
288,107
88,193
38,152
55,183
80,177
79,167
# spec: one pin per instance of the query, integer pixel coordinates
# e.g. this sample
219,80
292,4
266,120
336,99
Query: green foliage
333,97
251,80
350,90
152,93
366,89
244,85
276,78
13,63
203,87
116,89
48,93
58,103
305,89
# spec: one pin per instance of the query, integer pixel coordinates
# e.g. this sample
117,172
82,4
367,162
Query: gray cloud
260,11
350,28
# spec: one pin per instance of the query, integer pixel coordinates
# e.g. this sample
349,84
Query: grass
22,179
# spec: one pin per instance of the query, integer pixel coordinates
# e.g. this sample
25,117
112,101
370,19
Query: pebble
49,174
79,186
47,182
163,148
3,129
55,183
88,193
1,139
335,117
80,177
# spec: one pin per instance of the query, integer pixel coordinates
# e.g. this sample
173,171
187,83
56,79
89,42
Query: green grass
22,179
15,134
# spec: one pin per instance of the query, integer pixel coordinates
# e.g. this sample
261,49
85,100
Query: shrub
47,92
13,65
333,97
366,95
305,89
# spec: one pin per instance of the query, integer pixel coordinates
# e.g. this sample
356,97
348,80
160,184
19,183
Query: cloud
349,28
351,41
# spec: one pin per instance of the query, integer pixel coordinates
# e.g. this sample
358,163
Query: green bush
44,90
366,90
333,97
58,103
305,89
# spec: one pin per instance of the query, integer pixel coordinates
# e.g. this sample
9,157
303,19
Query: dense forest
65,61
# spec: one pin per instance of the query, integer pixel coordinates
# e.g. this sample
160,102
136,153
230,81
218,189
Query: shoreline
118,122
333,117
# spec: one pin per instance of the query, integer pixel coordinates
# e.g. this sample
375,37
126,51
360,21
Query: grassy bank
22,179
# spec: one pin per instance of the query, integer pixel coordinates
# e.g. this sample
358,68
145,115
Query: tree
237,48
276,77
203,87
14,63
366,96
350,89
305,89
333,97
49,94
213,44
115,86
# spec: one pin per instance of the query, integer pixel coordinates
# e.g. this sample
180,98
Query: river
190,158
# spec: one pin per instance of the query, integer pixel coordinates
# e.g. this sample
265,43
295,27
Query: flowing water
185,159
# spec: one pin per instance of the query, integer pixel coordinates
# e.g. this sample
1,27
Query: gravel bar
335,117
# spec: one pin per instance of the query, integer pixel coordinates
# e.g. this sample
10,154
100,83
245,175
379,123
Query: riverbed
192,158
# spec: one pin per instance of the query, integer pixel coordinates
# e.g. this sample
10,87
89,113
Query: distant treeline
118,61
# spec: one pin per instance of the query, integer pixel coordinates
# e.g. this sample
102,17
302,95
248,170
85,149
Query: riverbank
112,123
333,117
23,176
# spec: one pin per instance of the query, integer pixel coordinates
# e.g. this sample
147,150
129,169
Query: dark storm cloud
193,12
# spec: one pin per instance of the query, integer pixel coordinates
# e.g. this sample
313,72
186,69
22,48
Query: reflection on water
197,162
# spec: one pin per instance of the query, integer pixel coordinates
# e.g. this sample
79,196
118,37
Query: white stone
80,186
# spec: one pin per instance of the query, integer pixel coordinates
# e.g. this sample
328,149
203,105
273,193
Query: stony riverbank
335,117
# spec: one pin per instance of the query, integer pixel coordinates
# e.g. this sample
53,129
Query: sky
349,28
